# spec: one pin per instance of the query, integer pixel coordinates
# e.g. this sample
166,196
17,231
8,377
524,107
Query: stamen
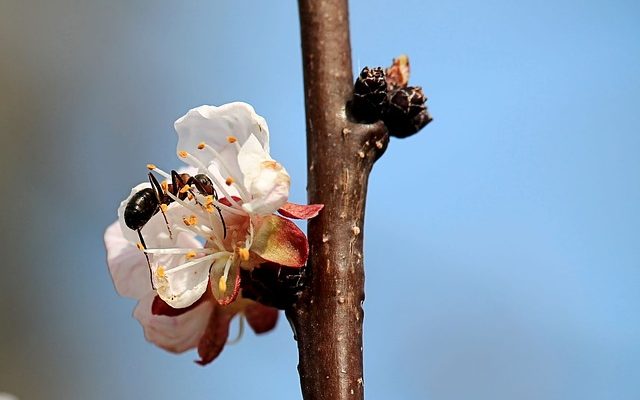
232,139
201,145
164,207
185,189
222,284
160,172
183,154
151,167
229,181
164,185
243,252
161,272
190,255
214,152
196,261
183,204
140,246
177,250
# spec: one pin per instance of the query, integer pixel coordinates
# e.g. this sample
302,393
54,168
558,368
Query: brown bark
327,318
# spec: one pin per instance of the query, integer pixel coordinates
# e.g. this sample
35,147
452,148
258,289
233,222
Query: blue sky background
502,243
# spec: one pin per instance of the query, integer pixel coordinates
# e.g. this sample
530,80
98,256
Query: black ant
146,203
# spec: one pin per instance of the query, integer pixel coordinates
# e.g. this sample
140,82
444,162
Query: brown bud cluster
385,95
369,94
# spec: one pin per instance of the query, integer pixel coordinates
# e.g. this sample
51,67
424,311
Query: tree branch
327,318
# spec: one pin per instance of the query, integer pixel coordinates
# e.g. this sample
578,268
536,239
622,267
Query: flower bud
406,112
369,95
273,285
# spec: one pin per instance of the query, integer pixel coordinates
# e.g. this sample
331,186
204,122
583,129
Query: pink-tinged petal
279,240
215,335
175,334
261,318
300,211
160,307
127,265
231,284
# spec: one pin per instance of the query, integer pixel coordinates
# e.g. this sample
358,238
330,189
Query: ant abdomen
141,207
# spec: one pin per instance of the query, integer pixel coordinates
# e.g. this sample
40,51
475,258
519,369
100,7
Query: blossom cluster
222,214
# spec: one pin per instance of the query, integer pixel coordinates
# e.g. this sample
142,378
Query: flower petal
260,317
127,265
266,180
215,336
184,284
279,240
300,211
174,334
214,125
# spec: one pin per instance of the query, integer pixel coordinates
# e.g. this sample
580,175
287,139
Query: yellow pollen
201,145
190,196
222,285
190,255
139,246
229,181
151,167
190,220
164,185
183,154
243,252
185,189
232,139
160,271
164,207
208,200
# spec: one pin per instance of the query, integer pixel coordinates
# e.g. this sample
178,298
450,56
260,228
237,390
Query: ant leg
202,189
157,189
224,225
177,183
147,257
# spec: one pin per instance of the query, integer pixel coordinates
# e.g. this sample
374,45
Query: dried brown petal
398,73
215,336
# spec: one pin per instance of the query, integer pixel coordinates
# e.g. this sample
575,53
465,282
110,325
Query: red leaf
279,240
300,211
215,336
260,317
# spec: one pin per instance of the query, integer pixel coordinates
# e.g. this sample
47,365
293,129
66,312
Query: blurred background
502,243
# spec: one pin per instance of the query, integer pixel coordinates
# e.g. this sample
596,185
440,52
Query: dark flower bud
406,112
369,95
272,284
